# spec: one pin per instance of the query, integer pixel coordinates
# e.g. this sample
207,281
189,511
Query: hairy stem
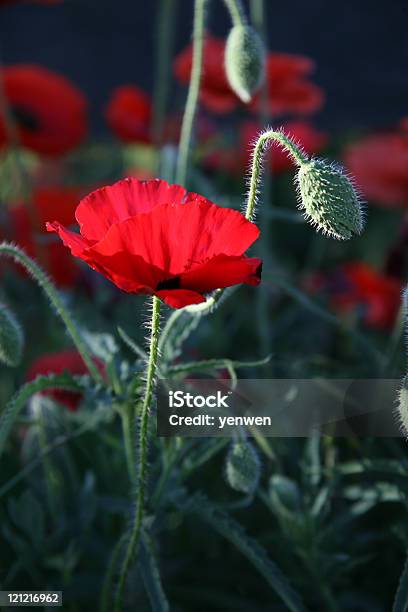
236,11
263,141
193,91
128,429
143,448
13,252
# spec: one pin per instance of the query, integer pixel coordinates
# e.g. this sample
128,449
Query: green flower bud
284,493
402,410
11,338
244,61
242,469
329,199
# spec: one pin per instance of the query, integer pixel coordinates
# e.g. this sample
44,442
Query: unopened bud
329,199
284,493
11,338
402,410
242,468
244,61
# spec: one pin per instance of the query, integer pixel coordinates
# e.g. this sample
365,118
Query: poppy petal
178,238
223,271
109,205
75,242
178,298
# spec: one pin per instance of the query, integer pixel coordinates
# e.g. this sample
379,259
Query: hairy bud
242,468
244,61
402,410
329,199
11,338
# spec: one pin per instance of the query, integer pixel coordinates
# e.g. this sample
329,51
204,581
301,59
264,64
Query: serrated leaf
11,338
401,596
9,415
151,576
232,531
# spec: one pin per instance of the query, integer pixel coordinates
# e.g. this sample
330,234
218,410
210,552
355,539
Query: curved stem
13,252
143,448
193,91
263,141
236,11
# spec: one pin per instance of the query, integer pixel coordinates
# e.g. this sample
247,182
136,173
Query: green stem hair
143,448
13,252
193,91
263,141
236,11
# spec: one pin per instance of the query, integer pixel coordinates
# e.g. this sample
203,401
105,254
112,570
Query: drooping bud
402,410
244,61
11,338
329,199
242,469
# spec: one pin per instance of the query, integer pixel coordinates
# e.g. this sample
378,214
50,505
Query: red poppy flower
56,363
380,166
290,91
47,202
358,286
128,114
158,239
49,111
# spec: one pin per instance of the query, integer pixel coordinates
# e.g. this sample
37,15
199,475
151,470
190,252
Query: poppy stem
193,91
164,36
257,158
13,252
236,11
143,449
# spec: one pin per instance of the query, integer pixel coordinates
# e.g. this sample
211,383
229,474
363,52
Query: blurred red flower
49,111
47,202
379,164
68,360
230,161
158,239
290,91
359,287
128,114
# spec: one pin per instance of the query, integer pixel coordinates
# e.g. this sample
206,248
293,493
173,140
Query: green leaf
131,344
151,576
401,596
18,401
213,364
11,338
232,531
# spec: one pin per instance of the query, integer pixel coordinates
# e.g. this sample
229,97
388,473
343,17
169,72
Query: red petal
223,271
175,239
73,241
178,298
108,205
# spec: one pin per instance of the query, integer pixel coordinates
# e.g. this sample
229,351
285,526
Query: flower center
25,118
169,283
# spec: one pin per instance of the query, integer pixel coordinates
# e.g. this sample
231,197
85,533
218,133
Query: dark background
361,48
